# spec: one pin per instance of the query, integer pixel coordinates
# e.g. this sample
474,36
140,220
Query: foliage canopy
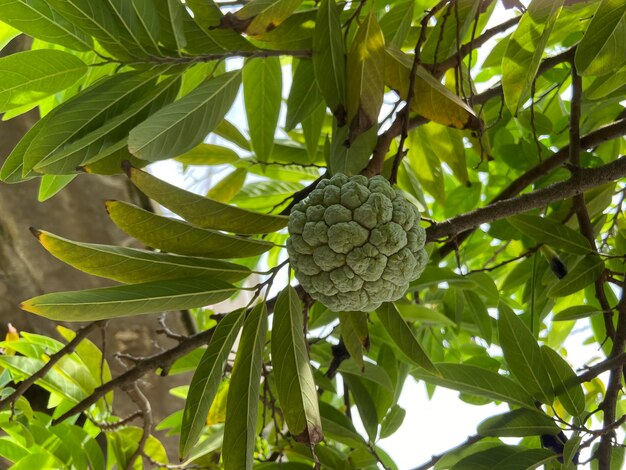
505,134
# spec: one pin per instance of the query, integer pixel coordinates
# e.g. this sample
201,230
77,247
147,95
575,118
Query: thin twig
142,402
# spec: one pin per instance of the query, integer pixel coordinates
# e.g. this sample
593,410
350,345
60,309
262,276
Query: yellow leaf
431,99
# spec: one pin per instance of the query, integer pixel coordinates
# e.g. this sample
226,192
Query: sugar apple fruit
356,243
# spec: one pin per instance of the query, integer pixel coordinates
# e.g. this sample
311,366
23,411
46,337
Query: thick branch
593,139
56,357
616,362
589,178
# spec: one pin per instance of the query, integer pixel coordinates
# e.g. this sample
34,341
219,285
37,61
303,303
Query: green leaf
312,130
477,381
39,20
423,314
604,85
206,379
403,336
481,316
205,212
392,421
52,184
553,233
576,312
134,266
144,25
485,286
365,82
434,275
95,19
329,63
30,76
528,459
351,160
448,146
365,405
295,33
370,372
523,355
496,458
292,371
243,393
171,24
518,423
84,113
304,96
265,15
396,23
354,334
38,460
603,48
54,381
262,88
571,448
337,426
227,130
265,195
431,99
110,160
228,187
7,33
139,24
98,144
566,385
208,154
179,237
584,273
202,35
120,301
524,50
179,127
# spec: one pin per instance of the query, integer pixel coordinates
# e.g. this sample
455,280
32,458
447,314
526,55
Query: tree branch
589,178
611,363
593,139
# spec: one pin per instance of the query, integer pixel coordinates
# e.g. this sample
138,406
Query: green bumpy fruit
356,243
